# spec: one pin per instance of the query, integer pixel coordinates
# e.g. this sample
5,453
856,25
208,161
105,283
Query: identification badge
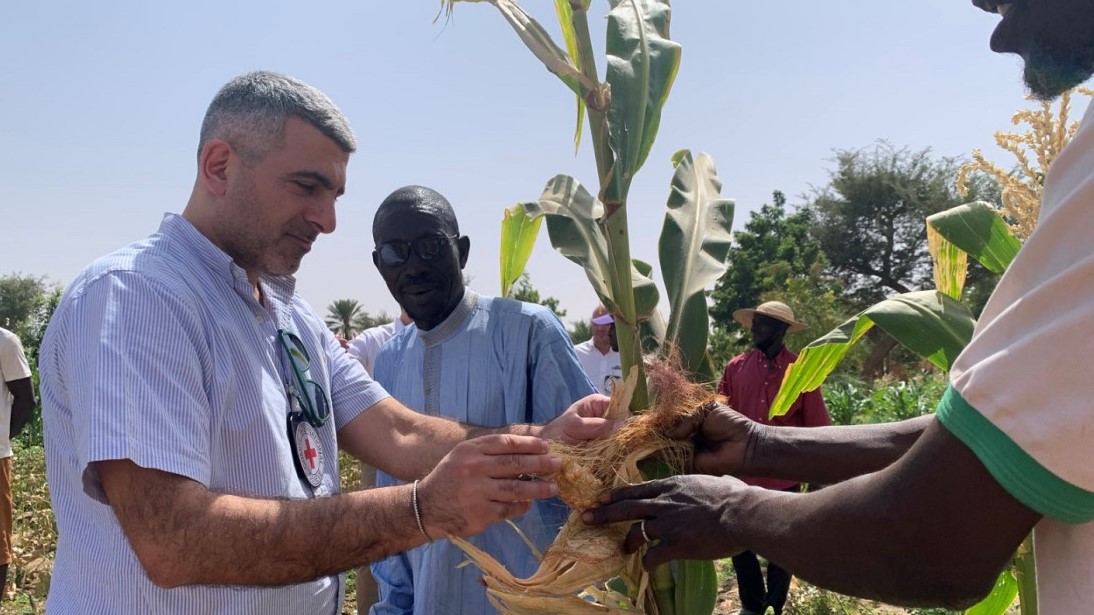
308,451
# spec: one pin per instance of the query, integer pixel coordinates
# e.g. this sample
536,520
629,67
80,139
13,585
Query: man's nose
323,216
414,263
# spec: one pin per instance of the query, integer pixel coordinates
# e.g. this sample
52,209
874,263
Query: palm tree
342,314
364,320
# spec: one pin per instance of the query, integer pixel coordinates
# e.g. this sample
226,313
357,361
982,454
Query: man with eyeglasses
194,404
470,357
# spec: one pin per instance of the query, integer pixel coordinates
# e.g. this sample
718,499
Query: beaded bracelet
417,512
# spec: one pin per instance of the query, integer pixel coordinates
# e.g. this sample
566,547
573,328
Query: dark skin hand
933,528
727,442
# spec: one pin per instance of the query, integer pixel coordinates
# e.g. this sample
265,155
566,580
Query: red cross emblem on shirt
309,452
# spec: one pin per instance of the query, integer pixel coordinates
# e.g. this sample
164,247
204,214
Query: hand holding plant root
574,571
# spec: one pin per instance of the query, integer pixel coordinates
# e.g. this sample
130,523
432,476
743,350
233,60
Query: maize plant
589,227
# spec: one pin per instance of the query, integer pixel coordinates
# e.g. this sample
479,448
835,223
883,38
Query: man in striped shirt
194,404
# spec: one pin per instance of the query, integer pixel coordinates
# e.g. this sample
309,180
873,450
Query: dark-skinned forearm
829,454
22,405
932,529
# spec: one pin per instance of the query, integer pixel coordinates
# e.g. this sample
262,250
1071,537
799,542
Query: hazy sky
101,104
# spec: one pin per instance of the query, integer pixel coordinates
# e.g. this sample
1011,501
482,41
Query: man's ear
464,246
213,165
376,259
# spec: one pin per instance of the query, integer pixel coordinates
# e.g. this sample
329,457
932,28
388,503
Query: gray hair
250,113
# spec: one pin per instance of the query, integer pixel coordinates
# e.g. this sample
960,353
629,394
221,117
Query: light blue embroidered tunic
492,362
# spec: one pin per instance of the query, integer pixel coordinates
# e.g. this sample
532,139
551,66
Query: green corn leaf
929,323
642,65
572,215
695,240
573,224
1000,598
518,237
540,43
646,294
951,264
977,229
569,36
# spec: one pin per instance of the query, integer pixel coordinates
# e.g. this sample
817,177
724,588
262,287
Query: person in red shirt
750,382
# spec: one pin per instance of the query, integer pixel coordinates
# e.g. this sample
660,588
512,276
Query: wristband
417,512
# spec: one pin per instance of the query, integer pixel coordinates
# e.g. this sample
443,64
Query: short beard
1050,72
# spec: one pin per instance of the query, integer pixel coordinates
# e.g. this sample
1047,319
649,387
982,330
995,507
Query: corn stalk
591,228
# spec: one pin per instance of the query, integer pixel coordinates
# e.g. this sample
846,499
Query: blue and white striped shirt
159,354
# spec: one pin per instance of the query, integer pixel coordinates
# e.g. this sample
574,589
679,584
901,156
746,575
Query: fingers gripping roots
572,574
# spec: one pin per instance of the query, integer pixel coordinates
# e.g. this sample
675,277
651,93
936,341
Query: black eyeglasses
427,248
310,398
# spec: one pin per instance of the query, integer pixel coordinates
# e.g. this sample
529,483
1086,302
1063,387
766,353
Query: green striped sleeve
1020,474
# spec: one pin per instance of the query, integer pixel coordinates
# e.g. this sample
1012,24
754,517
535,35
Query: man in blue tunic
469,357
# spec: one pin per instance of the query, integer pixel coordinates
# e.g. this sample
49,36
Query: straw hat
772,309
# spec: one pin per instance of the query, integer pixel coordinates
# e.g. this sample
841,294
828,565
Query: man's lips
1003,38
305,240
417,289
994,6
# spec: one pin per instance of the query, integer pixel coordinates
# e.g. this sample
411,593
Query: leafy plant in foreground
590,228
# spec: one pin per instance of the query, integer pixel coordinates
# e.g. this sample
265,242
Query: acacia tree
869,222
869,218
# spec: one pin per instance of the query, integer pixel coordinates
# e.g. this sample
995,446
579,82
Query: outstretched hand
684,517
724,439
582,421
480,482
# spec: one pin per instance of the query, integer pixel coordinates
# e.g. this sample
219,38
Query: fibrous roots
573,574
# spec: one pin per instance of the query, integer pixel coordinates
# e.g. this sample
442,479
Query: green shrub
851,401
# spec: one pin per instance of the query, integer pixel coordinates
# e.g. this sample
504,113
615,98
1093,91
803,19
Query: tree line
851,243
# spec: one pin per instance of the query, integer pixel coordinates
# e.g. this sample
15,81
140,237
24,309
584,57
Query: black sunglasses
427,248
308,394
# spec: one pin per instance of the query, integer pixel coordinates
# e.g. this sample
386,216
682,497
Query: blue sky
102,102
